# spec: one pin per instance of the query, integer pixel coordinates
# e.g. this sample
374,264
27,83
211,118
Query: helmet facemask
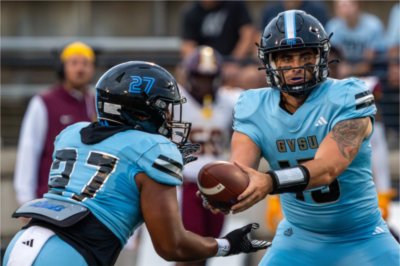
162,117
276,76
294,30
175,129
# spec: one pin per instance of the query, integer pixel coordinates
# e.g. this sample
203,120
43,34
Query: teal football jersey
102,176
286,140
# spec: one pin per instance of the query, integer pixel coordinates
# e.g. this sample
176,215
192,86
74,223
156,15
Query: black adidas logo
288,232
28,243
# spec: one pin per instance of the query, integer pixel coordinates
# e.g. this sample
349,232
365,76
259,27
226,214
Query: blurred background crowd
35,56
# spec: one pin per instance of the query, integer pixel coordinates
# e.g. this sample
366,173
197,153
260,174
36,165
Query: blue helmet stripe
290,26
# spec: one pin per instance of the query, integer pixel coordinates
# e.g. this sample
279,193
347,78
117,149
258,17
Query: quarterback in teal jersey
110,176
315,133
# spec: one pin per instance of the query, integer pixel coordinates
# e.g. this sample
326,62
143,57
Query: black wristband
294,179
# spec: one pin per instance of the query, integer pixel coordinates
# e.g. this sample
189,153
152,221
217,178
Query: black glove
187,150
240,241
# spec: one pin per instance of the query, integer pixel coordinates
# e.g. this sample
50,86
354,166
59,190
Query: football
221,183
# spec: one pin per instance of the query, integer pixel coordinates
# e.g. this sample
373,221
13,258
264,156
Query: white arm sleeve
30,146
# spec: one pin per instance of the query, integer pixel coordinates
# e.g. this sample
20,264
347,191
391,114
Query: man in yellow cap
48,113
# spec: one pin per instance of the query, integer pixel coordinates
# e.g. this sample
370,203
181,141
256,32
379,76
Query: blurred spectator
209,107
380,151
335,57
225,26
316,8
48,113
393,30
358,34
390,97
391,87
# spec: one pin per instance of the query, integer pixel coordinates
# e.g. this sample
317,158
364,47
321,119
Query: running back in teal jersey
286,140
101,176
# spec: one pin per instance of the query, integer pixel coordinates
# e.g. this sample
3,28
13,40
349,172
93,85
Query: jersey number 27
104,163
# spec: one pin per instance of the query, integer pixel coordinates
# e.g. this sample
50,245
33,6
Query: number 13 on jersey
327,194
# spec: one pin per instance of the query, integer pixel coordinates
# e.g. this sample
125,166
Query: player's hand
384,199
207,205
273,213
187,150
240,241
260,185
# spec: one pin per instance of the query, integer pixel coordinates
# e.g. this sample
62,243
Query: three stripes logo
364,99
288,232
321,122
29,243
378,230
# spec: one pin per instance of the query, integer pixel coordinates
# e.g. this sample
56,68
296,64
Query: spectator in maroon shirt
48,113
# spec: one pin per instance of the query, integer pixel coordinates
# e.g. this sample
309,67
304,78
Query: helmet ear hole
136,114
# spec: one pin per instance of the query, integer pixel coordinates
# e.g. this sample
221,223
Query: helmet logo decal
136,85
290,27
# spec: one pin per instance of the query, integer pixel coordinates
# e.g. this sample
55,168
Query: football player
209,107
110,176
315,133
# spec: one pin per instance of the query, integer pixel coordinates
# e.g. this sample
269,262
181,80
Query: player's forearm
323,173
250,160
329,163
244,151
195,247
189,247
337,151
311,174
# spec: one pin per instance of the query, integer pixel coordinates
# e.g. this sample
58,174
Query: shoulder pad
352,99
347,91
247,115
163,163
247,103
69,128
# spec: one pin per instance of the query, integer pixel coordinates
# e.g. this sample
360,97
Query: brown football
221,183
